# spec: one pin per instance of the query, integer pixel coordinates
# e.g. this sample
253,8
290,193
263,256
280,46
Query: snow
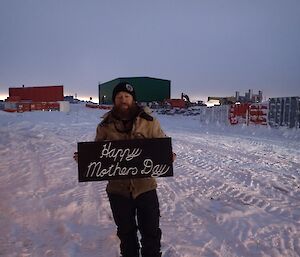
235,190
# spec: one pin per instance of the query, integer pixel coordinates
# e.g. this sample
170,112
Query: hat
123,87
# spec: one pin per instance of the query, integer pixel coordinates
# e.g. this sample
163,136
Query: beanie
123,87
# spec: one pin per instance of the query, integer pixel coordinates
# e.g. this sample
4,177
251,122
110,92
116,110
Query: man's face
123,101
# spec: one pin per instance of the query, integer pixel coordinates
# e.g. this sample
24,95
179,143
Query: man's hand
75,156
174,156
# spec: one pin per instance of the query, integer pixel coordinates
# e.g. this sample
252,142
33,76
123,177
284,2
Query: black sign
138,158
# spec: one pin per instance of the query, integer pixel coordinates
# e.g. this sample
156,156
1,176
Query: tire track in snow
49,198
238,180
222,175
89,201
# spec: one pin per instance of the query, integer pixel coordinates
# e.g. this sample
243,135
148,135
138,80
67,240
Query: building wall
147,89
37,94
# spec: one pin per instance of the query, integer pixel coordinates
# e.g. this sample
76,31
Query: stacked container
284,111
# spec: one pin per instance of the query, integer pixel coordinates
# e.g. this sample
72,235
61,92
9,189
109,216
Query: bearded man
133,202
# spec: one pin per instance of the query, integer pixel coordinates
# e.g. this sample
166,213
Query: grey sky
211,47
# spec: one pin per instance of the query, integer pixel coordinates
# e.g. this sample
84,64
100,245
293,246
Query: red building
24,99
36,94
179,103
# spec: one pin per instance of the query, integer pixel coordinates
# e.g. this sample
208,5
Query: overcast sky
205,47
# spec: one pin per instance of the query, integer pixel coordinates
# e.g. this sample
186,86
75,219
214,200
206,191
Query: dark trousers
141,213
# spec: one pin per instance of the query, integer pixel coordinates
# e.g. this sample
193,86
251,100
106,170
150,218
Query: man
133,202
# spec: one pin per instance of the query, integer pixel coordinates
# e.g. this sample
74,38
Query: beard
125,111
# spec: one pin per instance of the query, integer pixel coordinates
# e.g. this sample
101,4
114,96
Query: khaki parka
144,126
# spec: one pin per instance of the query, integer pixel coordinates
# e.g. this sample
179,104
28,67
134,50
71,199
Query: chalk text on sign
108,152
95,170
155,170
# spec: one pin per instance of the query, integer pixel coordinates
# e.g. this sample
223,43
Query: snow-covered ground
235,192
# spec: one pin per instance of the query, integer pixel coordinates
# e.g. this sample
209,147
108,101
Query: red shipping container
179,103
23,107
53,106
33,106
238,113
20,108
258,114
38,94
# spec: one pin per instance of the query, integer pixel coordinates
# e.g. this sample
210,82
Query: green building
147,89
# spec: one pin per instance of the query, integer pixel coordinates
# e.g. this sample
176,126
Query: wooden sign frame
125,159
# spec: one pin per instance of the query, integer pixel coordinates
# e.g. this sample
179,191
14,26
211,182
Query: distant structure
147,89
69,98
72,100
39,98
284,111
183,102
1,105
37,94
249,97
216,100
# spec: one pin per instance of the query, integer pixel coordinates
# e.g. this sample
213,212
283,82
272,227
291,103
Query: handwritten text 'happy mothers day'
117,156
